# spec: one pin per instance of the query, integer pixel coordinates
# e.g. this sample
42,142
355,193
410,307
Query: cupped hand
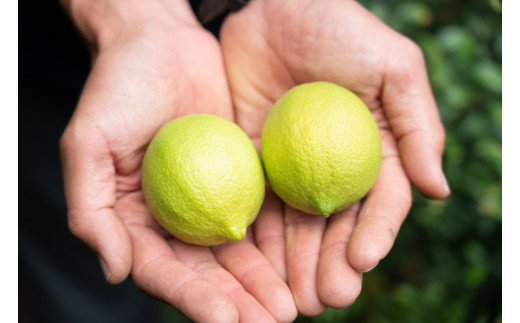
270,46
150,71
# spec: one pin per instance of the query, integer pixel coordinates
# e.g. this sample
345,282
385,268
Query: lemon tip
234,233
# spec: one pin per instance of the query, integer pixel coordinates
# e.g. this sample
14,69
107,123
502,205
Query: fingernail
446,186
369,269
104,268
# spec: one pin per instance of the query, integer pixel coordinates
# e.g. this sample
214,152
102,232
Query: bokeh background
445,265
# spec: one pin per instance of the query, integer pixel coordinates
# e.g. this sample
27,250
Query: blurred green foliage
445,265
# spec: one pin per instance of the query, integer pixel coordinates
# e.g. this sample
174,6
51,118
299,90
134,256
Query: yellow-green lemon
321,148
203,180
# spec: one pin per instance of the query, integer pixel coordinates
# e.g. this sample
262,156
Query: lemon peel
321,148
203,180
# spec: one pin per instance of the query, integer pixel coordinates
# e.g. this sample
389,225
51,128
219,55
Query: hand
270,46
152,63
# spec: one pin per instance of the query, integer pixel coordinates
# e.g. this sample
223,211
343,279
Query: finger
269,232
132,208
303,233
411,110
338,283
202,261
158,272
89,182
259,278
382,213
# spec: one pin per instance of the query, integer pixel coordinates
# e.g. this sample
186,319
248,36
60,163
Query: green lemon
203,180
321,148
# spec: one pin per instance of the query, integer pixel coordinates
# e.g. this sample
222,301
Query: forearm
102,22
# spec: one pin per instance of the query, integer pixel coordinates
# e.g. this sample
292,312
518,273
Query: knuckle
414,51
408,58
76,226
70,139
404,64
65,140
411,52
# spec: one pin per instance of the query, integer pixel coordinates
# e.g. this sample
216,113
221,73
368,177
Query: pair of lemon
204,182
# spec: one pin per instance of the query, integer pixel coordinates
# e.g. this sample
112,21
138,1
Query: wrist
103,22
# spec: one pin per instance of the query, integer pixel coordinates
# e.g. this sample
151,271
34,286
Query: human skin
269,47
152,62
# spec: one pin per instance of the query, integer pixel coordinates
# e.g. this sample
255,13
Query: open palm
271,46
137,84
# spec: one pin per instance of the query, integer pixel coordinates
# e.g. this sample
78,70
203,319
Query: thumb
90,193
411,110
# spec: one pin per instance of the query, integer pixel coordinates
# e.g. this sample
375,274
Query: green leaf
458,41
488,74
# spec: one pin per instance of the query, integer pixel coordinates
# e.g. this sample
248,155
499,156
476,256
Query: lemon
321,148
203,180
